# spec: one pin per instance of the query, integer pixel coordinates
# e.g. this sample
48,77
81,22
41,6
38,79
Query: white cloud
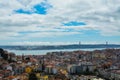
102,15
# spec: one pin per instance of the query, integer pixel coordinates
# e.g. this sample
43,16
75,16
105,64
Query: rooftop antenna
23,56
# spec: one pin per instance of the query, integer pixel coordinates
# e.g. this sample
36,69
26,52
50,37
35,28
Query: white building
81,67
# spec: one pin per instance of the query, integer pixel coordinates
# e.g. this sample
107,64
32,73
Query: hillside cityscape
75,65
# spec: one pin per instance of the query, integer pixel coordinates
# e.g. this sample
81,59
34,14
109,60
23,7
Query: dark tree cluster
32,76
6,55
3,54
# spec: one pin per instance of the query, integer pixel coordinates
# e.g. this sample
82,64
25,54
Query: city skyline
56,22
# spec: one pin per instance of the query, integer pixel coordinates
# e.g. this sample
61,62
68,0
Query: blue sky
56,22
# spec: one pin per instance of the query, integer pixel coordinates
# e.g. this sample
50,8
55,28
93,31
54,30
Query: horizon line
63,44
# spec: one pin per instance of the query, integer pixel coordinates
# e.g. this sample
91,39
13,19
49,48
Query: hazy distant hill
75,46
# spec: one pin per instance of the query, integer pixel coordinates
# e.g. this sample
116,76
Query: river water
43,52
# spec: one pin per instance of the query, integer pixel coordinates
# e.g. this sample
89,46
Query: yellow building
28,70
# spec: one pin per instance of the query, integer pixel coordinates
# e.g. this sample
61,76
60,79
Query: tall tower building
79,42
106,43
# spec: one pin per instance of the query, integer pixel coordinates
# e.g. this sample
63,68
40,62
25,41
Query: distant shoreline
54,47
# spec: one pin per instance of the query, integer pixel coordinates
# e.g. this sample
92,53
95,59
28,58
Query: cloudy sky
46,22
